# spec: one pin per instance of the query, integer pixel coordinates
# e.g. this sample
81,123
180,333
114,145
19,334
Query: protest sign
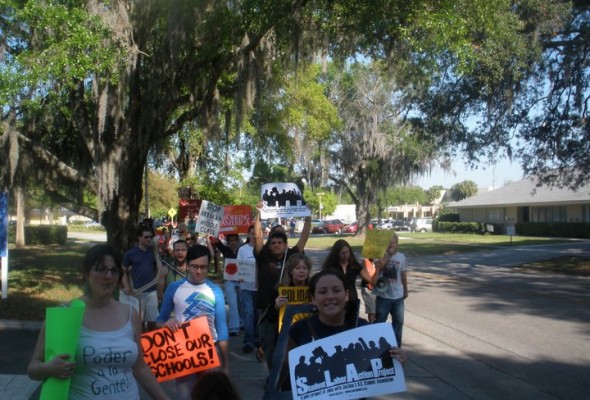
4,242
376,242
282,200
236,219
350,365
295,295
3,224
239,270
188,209
189,350
209,219
62,333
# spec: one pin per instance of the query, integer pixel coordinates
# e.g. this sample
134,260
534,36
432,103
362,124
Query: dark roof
525,192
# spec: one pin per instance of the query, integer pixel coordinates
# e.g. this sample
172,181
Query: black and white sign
350,365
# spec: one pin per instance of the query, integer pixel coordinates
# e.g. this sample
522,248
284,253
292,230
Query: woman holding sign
334,315
108,362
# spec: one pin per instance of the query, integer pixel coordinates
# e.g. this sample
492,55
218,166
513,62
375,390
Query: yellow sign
376,242
172,212
295,295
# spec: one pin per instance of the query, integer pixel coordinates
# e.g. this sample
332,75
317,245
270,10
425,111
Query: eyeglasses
201,267
101,269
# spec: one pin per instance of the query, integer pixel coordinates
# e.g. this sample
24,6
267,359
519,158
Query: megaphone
382,284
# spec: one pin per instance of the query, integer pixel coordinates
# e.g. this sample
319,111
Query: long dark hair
333,260
352,306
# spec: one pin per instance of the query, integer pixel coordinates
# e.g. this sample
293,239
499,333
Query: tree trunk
20,215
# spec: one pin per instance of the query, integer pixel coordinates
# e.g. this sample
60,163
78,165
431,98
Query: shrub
450,217
554,229
40,234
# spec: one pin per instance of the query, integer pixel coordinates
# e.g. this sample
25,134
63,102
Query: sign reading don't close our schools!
189,350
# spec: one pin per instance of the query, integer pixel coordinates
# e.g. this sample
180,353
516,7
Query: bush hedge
579,230
467,227
40,234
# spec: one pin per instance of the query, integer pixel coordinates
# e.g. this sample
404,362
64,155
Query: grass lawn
45,276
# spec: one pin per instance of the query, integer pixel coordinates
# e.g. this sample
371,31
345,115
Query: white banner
347,366
282,200
209,219
239,270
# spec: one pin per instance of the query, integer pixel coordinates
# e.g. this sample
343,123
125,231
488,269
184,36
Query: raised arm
304,234
258,239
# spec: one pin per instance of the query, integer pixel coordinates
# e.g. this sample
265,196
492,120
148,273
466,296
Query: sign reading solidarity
189,350
295,295
209,219
349,365
239,270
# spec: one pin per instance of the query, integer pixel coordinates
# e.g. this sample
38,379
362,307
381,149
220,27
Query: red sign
236,219
189,350
188,209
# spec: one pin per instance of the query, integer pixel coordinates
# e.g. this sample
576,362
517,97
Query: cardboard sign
239,270
376,242
295,295
209,219
189,350
236,219
347,366
188,209
282,200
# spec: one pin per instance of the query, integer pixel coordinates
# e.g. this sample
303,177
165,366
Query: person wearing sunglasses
141,274
108,354
192,297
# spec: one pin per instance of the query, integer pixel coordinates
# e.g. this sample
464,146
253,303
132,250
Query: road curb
20,325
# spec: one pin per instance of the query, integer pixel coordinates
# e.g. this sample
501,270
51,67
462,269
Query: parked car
316,222
329,226
385,225
352,228
401,225
421,225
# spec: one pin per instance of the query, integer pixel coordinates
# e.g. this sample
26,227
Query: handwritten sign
295,295
376,242
239,270
189,350
209,219
282,200
236,219
353,364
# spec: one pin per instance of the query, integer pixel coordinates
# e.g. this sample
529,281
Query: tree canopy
91,89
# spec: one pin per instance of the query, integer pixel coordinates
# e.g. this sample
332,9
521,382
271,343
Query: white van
421,225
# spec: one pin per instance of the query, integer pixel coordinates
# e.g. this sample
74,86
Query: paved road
475,328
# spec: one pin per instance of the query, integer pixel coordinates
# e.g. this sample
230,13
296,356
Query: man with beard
177,270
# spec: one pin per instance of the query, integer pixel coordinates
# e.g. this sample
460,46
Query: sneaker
247,348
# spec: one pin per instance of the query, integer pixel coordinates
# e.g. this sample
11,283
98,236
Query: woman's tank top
103,364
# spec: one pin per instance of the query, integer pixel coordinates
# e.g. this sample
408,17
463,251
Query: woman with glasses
108,358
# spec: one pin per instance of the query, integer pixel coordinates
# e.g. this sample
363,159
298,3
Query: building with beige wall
523,201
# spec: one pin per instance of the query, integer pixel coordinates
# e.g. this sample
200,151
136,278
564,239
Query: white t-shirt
396,264
246,252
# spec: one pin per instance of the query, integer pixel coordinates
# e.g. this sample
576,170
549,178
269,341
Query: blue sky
484,176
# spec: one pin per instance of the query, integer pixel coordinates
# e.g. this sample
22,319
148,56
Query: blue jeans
232,293
385,307
250,318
